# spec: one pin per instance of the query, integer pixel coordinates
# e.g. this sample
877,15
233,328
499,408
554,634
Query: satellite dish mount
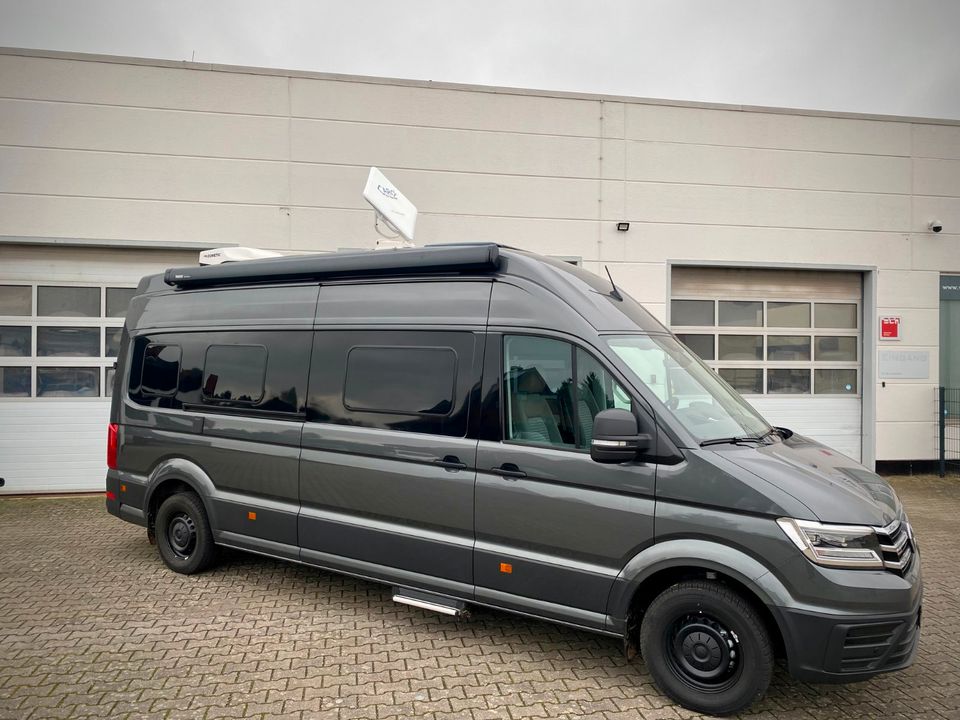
392,207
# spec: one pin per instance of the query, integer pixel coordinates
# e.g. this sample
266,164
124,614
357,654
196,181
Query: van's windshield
692,392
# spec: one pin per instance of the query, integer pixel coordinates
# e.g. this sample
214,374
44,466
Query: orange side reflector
506,568
251,516
123,488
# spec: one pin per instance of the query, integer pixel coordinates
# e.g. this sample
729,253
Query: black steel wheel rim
182,535
703,653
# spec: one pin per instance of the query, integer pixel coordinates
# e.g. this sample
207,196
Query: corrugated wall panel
54,446
833,421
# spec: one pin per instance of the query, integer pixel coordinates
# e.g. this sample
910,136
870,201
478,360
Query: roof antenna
615,294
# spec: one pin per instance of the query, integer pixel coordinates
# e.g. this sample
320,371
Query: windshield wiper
742,439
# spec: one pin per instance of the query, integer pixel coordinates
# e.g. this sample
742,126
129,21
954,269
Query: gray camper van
474,424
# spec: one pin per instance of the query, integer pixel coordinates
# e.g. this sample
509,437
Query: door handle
450,462
509,470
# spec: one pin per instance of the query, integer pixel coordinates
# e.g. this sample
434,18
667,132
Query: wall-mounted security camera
935,225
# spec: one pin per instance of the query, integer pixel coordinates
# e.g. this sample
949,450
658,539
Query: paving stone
93,625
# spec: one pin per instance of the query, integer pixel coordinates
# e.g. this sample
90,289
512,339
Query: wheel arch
177,475
665,564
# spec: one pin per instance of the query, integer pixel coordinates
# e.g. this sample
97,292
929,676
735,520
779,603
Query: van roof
593,298
473,258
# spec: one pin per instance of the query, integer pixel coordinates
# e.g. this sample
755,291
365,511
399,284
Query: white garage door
61,315
789,340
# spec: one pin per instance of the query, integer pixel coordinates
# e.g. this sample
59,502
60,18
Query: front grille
897,546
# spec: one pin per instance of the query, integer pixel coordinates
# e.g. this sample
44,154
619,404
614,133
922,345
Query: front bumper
833,648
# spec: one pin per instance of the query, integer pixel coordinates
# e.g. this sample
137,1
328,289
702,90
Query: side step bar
429,601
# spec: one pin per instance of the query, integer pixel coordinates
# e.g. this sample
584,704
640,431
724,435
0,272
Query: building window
775,347
60,341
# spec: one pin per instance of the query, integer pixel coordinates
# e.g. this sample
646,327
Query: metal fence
948,411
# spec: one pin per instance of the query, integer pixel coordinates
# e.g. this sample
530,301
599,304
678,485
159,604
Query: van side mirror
616,437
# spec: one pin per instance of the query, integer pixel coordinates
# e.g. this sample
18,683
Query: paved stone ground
93,625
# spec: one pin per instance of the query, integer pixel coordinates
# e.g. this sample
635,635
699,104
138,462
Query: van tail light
112,446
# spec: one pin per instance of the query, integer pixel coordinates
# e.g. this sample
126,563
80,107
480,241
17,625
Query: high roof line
496,90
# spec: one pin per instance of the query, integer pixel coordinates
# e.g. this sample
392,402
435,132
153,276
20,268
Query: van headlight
846,546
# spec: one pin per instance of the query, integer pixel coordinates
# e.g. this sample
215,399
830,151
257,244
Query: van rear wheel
183,534
706,647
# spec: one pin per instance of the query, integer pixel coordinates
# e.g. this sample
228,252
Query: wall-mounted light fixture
623,226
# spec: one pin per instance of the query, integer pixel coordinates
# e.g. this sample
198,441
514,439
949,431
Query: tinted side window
596,391
401,380
161,370
543,403
234,373
418,381
538,385
230,356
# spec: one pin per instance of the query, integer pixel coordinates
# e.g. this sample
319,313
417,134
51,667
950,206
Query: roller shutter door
790,341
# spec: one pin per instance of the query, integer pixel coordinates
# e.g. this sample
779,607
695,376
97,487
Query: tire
183,534
706,648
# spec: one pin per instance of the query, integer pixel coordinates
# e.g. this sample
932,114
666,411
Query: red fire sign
890,328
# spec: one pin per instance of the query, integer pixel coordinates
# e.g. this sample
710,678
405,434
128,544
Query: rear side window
234,373
161,370
401,380
256,371
410,381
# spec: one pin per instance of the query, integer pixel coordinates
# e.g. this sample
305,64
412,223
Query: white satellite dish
391,206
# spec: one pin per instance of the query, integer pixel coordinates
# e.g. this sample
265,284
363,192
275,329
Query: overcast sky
899,57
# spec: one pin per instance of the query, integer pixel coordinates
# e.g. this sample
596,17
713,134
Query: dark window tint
393,380
281,390
68,382
161,370
234,373
401,380
14,341
15,381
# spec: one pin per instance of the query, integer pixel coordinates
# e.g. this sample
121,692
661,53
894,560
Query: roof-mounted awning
462,259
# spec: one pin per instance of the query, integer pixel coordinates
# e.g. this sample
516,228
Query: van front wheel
183,534
706,647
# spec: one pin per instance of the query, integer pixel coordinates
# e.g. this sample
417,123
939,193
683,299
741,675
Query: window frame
103,323
574,346
766,331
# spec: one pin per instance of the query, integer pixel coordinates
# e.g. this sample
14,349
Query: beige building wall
136,150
